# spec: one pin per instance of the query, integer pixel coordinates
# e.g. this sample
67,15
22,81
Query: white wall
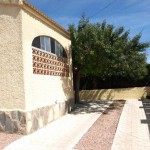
42,90
11,59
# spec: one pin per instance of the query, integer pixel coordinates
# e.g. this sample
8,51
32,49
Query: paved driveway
133,128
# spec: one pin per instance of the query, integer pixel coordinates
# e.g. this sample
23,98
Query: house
35,69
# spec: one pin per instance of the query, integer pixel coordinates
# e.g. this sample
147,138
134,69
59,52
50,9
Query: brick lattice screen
49,64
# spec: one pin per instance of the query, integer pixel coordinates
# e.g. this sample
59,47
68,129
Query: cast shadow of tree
117,104
67,83
93,95
98,107
90,105
146,107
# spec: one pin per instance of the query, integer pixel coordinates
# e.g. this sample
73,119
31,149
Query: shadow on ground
117,104
97,107
146,107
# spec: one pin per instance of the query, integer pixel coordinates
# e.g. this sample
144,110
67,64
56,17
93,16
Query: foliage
102,50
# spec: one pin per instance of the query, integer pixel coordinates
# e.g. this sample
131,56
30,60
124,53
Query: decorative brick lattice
49,64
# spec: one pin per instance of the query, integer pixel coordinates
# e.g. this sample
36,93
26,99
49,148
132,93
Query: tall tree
103,50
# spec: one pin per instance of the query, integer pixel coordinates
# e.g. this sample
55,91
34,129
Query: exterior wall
11,56
115,94
24,122
47,97
42,116
29,100
43,90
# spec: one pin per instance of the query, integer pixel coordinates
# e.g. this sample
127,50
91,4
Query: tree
103,50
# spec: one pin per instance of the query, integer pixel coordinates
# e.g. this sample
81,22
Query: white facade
21,87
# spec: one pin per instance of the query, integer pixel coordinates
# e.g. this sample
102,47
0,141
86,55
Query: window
45,43
50,45
61,50
42,43
36,42
57,48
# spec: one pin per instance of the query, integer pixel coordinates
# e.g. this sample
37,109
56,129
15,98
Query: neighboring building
35,68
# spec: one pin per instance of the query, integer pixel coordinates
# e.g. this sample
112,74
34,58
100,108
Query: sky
134,15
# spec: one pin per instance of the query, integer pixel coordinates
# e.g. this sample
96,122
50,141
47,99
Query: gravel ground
100,136
6,139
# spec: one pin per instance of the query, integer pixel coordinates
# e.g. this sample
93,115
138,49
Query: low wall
115,94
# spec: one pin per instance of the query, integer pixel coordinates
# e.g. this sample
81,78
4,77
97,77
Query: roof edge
38,14
50,22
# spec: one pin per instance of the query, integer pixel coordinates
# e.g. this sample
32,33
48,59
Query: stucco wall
42,90
11,58
115,94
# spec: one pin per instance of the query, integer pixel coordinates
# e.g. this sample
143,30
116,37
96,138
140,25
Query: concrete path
133,128
64,133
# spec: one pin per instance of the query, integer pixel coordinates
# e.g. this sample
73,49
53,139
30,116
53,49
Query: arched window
50,45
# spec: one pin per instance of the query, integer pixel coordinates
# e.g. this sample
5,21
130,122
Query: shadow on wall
67,84
92,95
115,94
146,107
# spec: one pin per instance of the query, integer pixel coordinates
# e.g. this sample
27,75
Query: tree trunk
77,86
